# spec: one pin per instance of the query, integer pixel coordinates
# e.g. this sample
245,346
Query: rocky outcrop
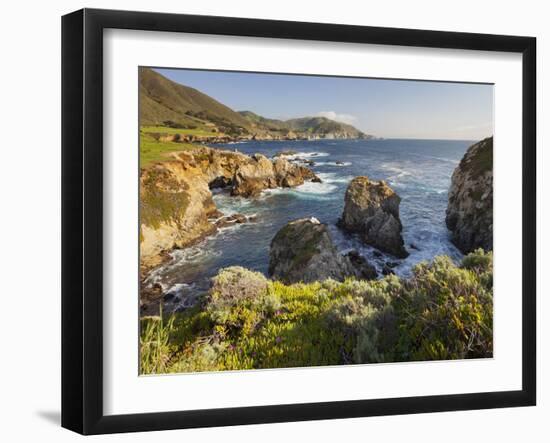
362,269
303,251
260,173
470,208
176,205
372,210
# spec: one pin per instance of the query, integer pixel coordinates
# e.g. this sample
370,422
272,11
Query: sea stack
372,210
303,251
470,208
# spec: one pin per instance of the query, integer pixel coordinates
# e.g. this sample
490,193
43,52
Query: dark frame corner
82,131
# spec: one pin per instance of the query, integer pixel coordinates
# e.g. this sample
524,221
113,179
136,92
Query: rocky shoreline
176,205
218,139
178,211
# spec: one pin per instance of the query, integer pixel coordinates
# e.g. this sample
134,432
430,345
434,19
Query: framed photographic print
269,221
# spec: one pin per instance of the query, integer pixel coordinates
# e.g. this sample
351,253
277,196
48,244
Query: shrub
172,124
365,311
443,311
237,283
446,312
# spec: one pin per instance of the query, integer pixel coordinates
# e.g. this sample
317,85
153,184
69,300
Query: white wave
398,173
332,177
193,254
177,289
316,188
340,164
306,189
308,155
230,204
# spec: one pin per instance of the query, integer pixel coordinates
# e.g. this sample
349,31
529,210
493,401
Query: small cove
418,170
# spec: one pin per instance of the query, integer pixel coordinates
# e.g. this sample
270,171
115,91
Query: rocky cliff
372,210
176,205
470,208
303,251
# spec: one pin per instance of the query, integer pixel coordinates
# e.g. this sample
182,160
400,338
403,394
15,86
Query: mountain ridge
165,103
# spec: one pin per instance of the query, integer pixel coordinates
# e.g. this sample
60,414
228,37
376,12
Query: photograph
300,220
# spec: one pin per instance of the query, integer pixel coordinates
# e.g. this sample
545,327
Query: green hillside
322,125
262,123
167,103
170,105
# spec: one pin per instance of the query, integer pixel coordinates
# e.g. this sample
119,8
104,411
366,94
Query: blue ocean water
418,170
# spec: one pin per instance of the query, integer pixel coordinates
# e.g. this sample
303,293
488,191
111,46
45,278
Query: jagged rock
303,251
285,153
176,205
289,175
372,210
254,176
220,182
363,269
260,173
228,220
470,208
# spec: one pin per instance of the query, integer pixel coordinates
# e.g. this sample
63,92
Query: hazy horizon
384,108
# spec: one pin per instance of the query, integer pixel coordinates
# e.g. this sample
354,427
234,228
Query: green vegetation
320,125
162,198
154,344
174,106
482,158
152,150
163,100
200,132
443,311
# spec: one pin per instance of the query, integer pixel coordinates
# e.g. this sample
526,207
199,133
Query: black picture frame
82,218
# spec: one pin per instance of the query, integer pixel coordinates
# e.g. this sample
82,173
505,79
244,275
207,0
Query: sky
384,108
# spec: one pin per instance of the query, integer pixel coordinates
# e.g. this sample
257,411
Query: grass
201,132
443,311
152,151
154,344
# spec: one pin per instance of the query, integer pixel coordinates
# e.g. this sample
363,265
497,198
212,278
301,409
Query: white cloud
343,118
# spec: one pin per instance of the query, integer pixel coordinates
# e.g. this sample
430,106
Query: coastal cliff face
372,210
303,251
176,205
470,208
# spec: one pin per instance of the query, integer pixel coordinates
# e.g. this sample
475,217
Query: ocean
418,170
